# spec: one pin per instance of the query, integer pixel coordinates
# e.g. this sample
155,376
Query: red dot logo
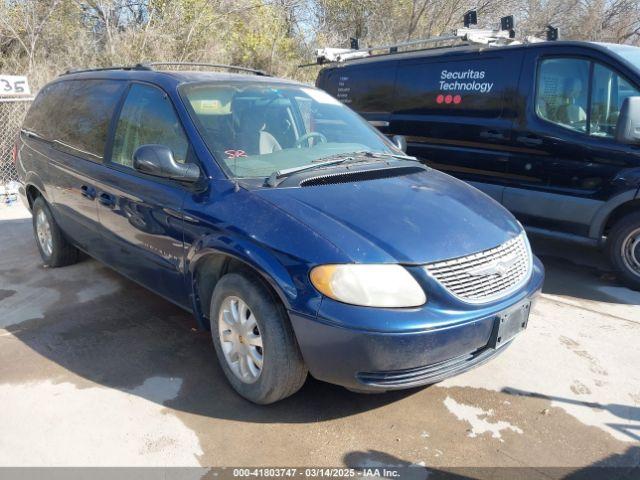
457,99
440,98
448,99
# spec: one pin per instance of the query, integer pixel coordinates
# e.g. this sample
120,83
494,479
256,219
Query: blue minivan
551,130
297,233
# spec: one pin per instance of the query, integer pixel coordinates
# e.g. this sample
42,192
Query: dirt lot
95,370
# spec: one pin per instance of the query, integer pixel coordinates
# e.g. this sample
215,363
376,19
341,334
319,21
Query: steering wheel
321,138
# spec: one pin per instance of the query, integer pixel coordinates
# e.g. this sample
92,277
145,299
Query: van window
148,117
365,88
463,87
44,112
562,92
82,119
609,90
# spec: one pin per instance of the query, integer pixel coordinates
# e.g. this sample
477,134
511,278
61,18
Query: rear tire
254,341
54,248
623,246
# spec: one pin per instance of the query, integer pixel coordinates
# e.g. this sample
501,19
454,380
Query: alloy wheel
240,339
43,232
631,251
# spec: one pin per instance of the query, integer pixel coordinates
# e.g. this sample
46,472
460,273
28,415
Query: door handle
88,192
492,135
106,199
529,140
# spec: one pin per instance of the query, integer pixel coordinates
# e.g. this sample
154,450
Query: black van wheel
254,341
624,248
54,248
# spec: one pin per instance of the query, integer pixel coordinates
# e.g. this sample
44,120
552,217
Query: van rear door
455,111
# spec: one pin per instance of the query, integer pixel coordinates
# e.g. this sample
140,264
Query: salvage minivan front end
369,349
435,278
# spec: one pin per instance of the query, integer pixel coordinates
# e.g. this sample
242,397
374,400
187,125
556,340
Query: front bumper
371,349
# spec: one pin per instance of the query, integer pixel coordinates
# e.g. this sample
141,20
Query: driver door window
562,92
147,117
608,92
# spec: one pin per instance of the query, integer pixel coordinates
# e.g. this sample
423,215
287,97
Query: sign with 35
14,85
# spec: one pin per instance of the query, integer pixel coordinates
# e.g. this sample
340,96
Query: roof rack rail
150,65
138,66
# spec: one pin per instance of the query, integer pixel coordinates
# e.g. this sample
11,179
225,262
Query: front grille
488,275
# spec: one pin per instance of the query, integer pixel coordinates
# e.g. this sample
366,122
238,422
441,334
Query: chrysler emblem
498,268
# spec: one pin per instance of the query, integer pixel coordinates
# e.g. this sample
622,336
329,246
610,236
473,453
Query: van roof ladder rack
465,36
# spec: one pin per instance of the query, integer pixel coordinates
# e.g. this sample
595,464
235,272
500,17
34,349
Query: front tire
54,248
623,245
254,341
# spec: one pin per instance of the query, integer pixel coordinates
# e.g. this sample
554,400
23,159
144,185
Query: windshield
629,53
256,129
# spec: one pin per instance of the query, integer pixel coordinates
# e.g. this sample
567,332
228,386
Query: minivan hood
411,219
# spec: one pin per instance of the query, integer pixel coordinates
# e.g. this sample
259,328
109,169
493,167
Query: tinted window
464,87
367,88
562,92
82,121
44,112
608,92
148,117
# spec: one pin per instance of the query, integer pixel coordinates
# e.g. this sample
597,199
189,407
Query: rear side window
85,116
76,115
463,87
44,113
562,92
148,117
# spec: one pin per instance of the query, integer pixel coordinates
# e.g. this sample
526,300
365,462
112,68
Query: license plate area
508,324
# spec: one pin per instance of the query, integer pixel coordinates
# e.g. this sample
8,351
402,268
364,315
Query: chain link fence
12,112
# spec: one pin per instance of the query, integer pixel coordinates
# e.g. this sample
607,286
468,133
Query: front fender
290,284
602,215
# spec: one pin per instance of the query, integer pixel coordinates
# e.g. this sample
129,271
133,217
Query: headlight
369,285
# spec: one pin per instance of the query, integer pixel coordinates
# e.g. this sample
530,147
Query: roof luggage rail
151,65
103,69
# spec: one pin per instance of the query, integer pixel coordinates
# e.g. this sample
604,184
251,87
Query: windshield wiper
335,159
272,181
392,155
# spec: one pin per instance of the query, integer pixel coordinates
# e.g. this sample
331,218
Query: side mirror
400,141
157,160
628,126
